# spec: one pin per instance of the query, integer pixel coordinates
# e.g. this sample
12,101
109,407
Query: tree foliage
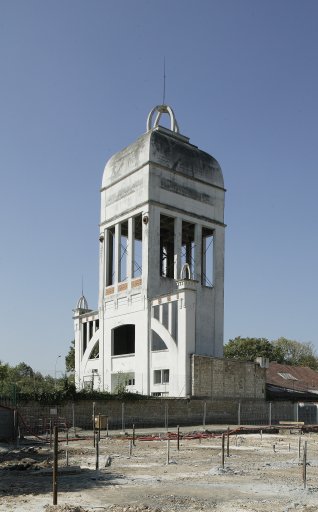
248,349
70,358
282,351
295,353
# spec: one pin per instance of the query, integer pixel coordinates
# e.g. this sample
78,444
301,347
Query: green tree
70,358
248,349
4,369
295,353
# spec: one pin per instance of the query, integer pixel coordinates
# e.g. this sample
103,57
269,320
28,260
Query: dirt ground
262,473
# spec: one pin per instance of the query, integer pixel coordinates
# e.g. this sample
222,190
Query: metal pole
67,436
97,452
107,426
130,447
134,441
270,414
299,445
166,417
98,426
50,433
55,465
178,438
73,418
223,442
94,424
305,465
239,414
204,414
15,430
228,442
168,451
123,417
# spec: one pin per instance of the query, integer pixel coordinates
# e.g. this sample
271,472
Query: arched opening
95,351
123,340
157,342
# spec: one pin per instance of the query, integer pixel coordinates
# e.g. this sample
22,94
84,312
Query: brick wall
226,378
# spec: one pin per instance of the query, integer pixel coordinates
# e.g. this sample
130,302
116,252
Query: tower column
117,254
130,248
197,252
177,247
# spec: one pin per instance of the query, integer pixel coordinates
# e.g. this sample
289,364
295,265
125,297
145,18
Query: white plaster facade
161,267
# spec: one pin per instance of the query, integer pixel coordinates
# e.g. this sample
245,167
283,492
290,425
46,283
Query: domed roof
82,303
167,148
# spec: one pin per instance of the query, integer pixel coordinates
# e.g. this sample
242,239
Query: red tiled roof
299,378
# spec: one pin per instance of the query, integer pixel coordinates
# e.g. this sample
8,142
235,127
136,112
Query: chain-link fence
38,419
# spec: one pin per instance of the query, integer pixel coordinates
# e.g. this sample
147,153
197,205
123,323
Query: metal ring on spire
162,109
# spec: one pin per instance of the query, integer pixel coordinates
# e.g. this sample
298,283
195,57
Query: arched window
123,340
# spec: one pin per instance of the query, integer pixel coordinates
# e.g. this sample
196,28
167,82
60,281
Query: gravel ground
260,475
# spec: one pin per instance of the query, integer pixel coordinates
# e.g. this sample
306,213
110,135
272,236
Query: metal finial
162,109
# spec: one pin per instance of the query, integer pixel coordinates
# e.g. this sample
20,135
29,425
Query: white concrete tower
161,266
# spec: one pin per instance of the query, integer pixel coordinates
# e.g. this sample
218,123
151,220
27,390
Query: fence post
73,418
123,417
166,417
55,465
50,433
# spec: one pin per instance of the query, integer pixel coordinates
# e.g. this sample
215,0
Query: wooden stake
66,457
55,465
178,438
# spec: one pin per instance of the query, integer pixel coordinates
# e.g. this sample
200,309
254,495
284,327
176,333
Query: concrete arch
164,335
88,350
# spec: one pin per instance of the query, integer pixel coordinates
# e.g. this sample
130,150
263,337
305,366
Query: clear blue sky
78,79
